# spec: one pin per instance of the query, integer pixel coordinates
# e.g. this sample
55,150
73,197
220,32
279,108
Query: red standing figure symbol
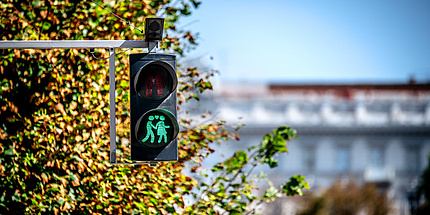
149,83
159,83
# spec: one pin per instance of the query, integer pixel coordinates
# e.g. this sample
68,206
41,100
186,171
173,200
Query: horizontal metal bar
73,44
138,163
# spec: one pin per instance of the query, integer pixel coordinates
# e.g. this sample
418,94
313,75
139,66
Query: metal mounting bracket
89,44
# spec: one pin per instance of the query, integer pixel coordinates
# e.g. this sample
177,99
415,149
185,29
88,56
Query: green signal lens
156,128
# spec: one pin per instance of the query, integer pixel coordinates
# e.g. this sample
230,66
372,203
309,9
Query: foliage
54,129
232,185
424,189
347,198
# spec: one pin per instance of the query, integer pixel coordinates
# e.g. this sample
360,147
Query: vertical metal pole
152,46
112,105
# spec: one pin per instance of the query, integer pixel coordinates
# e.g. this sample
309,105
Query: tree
424,190
54,130
348,198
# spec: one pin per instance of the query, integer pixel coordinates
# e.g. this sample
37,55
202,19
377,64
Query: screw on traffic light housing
154,29
154,127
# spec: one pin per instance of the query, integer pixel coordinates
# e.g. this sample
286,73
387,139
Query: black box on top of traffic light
154,127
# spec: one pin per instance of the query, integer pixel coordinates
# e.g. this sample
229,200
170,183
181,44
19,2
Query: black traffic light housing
154,127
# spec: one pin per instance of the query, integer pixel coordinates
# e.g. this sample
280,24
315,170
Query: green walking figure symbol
161,130
149,132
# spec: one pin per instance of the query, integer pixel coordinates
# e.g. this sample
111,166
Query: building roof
352,105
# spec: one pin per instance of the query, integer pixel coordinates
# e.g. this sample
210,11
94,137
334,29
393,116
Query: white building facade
370,133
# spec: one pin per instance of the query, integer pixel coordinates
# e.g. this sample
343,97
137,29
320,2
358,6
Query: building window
413,158
342,159
377,157
309,157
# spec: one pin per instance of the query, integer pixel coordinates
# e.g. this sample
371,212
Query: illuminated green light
160,127
157,128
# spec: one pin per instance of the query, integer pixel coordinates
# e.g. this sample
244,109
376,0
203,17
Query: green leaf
80,126
154,201
9,152
218,167
237,161
60,201
46,25
170,209
124,84
295,186
140,205
286,132
279,144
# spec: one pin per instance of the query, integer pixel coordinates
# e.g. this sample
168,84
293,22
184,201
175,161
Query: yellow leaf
44,178
85,136
43,13
80,167
73,105
69,128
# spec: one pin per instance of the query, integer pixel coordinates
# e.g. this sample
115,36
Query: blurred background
352,77
329,41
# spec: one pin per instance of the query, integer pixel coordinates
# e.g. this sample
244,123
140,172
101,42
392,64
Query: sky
313,41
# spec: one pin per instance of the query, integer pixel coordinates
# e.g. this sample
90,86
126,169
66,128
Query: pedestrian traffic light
154,29
154,127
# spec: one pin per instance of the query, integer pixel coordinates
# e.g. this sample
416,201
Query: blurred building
369,133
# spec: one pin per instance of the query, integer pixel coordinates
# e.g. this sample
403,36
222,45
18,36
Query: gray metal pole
112,105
